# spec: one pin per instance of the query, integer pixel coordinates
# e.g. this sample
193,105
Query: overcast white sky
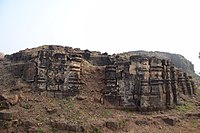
111,26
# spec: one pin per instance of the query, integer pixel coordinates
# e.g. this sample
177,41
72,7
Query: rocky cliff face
137,82
179,61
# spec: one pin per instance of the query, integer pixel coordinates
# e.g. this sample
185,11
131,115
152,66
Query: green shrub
40,130
97,131
107,112
185,108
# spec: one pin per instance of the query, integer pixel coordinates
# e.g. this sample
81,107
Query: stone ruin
53,69
146,84
140,83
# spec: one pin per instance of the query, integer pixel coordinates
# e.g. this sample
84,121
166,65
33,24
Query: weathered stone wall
146,83
143,83
53,69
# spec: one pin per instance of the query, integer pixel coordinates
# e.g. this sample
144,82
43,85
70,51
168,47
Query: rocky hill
56,89
179,61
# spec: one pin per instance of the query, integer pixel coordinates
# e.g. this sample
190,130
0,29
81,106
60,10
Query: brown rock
80,97
29,123
170,120
4,105
16,122
193,114
160,127
64,125
51,110
112,124
2,97
142,122
12,99
7,114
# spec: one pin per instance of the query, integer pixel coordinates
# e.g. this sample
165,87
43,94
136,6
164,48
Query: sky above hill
111,26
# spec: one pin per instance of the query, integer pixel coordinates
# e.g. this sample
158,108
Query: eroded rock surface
138,83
